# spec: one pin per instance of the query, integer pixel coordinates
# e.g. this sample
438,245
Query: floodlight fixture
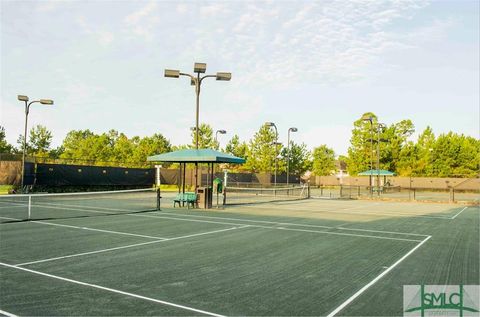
172,73
200,68
22,98
46,102
224,76
222,131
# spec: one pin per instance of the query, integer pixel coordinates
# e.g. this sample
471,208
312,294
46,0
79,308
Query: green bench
189,198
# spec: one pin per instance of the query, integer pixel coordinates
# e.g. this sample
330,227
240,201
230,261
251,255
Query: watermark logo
441,300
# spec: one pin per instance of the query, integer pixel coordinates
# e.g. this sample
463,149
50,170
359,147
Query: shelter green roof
193,155
376,172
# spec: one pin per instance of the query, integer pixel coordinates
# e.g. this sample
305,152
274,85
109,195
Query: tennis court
117,255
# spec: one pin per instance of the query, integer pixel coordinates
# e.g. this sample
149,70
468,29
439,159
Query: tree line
389,146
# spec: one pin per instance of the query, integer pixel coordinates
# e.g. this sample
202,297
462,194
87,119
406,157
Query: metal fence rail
448,195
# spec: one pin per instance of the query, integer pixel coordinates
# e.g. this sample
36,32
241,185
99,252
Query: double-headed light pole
196,80
292,129
380,127
370,119
271,124
27,110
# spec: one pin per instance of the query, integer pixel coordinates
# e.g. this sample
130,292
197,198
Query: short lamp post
370,119
27,110
292,129
196,80
271,124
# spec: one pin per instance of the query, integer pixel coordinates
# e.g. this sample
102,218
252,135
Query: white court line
295,224
363,289
90,229
382,231
362,212
69,207
7,313
455,216
100,230
238,224
127,246
9,218
258,226
112,290
16,206
338,233
300,230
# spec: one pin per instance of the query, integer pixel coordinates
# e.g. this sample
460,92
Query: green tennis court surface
308,257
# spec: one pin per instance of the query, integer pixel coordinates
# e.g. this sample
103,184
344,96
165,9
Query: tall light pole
27,110
292,129
271,124
370,118
196,80
379,126
217,132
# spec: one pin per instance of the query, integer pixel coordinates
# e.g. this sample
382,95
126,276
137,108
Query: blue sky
315,65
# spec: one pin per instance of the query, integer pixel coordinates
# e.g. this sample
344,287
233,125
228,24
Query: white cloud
140,14
103,37
213,9
47,6
142,22
181,8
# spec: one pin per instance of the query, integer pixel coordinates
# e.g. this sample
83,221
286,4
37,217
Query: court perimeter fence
397,193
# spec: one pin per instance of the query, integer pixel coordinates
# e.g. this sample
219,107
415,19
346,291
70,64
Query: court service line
89,229
7,313
127,246
455,216
95,210
99,230
363,289
299,230
338,233
246,220
364,212
16,206
112,290
295,224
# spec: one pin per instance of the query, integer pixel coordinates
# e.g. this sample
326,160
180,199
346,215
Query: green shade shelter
196,156
202,156
376,172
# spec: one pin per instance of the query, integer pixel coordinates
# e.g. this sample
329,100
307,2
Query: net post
308,190
29,207
224,195
159,197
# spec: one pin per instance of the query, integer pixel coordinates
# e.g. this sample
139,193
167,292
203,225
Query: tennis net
238,196
71,205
